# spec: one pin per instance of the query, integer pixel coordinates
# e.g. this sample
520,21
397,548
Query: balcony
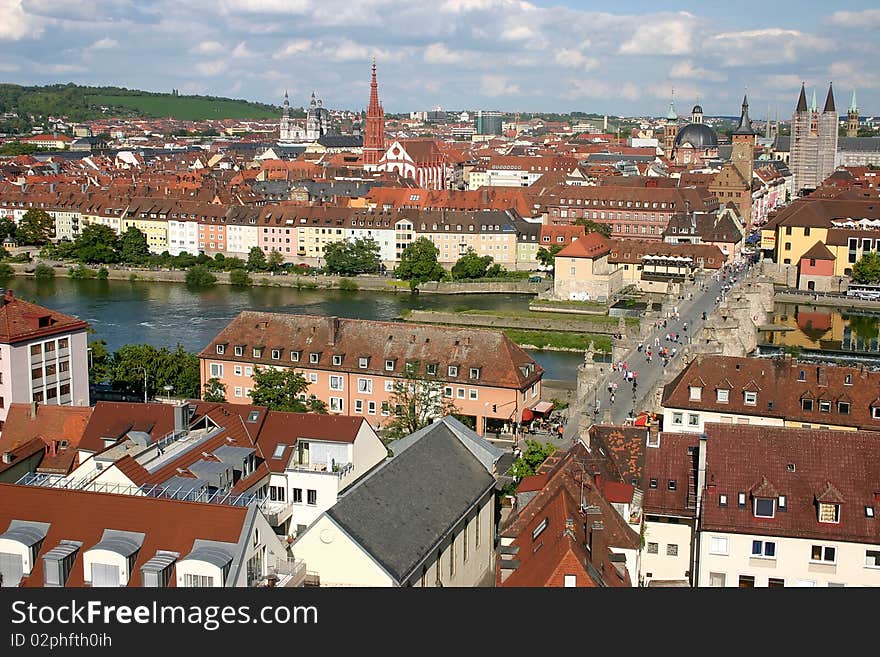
276,512
339,469
287,573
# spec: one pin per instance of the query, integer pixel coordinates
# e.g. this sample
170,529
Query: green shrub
44,273
348,285
103,273
132,277
6,270
239,278
199,276
80,272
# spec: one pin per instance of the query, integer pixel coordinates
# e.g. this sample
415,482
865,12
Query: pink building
43,356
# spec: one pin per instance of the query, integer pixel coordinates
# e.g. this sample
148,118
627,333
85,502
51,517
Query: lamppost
168,390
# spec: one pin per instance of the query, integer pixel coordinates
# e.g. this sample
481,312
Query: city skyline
464,54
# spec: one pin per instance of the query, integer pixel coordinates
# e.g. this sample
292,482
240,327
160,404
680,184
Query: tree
594,227
97,243
215,390
867,269
345,258
275,261
178,369
199,276
6,271
7,229
283,390
134,248
470,265
100,362
44,272
416,401
256,259
418,263
239,278
535,454
546,256
36,227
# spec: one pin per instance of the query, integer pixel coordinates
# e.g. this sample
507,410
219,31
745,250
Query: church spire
374,133
814,106
853,107
745,124
802,100
829,100
671,115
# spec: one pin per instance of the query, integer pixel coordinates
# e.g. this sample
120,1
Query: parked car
536,279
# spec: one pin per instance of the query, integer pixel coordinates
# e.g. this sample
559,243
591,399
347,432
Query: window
276,493
802,376
335,382
238,391
432,368
652,548
475,373
807,404
718,545
717,580
746,581
540,528
652,483
823,553
221,349
337,359
764,549
722,500
672,484
363,362
365,386
872,558
336,404
843,408
459,393
216,370
764,507
741,500
824,406
672,550
311,497
198,581
389,365
693,419
258,352
297,495
371,407
452,370
678,418
869,511
696,393
722,396
570,581
781,504
239,351
829,512
294,356
847,380
751,398
314,357
313,378
237,370
389,386
775,583
358,405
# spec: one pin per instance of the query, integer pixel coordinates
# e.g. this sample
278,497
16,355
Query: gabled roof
818,252
591,245
21,321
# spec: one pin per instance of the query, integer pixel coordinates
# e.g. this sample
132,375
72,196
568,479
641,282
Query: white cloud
59,69
347,50
666,36
16,23
497,85
241,50
294,47
438,53
572,58
208,47
869,19
212,68
685,70
597,88
104,44
773,44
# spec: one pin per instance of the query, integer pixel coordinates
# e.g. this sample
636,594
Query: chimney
596,543
180,417
334,331
701,469
597,480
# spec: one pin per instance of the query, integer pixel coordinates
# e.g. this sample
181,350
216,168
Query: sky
539,56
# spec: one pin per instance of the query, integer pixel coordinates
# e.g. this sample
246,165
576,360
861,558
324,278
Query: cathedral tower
374,131
852,118
670,130
813,141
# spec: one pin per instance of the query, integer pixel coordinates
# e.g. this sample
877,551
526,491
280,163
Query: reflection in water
163,314
819,328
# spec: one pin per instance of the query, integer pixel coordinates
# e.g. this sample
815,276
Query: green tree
134,248
283,390
44,272
416,401
418,263
256,259
6,271
233,263
546,256
36,227
471,265
594,226
199,276
178,369
7,229
97,243
867,269
215,390
275,261
350,258
239,278
100,362
535,454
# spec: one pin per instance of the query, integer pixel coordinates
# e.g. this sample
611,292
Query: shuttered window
11,569
105,575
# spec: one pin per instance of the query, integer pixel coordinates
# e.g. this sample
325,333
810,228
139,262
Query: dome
698,135
698,109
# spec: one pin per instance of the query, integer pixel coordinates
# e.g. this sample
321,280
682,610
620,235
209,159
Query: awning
527,414
542,407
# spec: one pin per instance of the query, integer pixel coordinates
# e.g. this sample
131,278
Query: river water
839,332
164,314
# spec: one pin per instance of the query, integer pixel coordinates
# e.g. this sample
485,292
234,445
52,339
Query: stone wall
573,325
486,287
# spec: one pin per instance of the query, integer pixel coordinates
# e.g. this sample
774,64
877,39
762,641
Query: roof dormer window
239,351
829,512
314,357
337,359
722,396
750,398
221,349
764,507
696,393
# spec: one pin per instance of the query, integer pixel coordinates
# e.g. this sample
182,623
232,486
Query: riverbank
483,287
827,301
534,321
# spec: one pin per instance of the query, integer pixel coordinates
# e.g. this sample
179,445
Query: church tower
670,130
744,140
813,141
374,131
852,118
285,133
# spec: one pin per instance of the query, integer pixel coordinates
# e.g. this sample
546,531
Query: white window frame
237,370
452,370
824,549
750,398
722,396
314,357
389,385
238,391
693,419
216,370
337,404
772,501
719,545
473,395
337,359
836,508
762,549
359,406
459,393
875,556
678,419
389,365
363,362
313,377
371,407
365,386
695,393
336,382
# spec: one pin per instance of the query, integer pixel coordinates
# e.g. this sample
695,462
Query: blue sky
493,54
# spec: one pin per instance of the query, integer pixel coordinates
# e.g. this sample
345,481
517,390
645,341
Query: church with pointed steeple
852,118
813,141
733,184
374,129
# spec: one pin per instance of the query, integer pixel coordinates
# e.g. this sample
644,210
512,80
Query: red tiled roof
114,419
591,245
670,462
22,321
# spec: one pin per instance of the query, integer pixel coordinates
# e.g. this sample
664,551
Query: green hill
81,103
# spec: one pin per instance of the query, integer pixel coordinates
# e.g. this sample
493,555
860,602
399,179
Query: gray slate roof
858,144
403,509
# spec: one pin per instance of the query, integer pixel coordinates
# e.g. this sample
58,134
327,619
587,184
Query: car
536,279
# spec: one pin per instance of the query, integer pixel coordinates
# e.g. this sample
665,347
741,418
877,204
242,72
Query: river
164,314
848,333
